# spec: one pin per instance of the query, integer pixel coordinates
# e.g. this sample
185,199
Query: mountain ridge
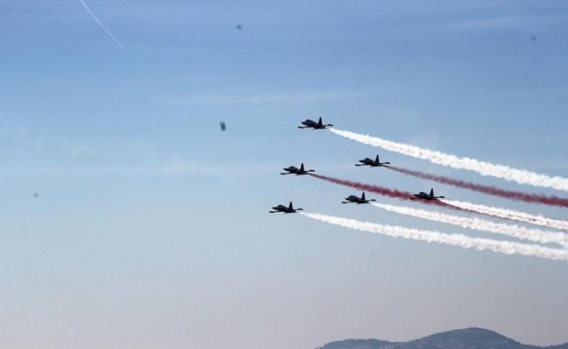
468,338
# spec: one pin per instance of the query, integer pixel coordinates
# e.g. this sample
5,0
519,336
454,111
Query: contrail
393,193
483,168
509,214
102,25
459,240
516,231
509,194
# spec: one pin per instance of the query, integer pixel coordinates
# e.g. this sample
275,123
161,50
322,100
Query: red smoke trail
393,193
509,194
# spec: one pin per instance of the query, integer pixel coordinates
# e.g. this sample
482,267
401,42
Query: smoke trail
459,240
515,231
509,214
483,168
367,187
509,194
397,194
101,25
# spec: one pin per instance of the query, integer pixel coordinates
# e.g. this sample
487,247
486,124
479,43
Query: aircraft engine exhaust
516,231
462,163
101,25
393,193
505,247
510,214
485,189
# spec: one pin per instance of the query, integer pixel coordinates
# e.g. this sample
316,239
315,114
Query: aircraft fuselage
285,209
424,196
372,163
357,200
295,170
315,125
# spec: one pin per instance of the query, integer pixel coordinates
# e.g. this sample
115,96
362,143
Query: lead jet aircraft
295,170
315,125
423,196
372,163
285,209
357,200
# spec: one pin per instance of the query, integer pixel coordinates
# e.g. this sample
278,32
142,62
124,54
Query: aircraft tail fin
290,206
377,159
363,196
320,121
302,167
432,192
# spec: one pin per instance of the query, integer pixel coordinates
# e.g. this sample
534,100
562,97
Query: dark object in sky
285,209
423,196
295,170
533,37
36,195
315,125
222,126
357,200
239,27
372,163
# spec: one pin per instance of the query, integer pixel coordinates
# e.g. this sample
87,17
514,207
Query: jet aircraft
285,209
372,163
295,170
357,200
423,196
315,125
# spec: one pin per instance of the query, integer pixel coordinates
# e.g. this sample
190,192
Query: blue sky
151,226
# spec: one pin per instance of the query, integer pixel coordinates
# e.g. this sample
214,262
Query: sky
130,220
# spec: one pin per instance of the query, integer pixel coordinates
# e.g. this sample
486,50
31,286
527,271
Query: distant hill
469,338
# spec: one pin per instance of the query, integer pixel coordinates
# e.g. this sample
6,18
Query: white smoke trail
515,231
463,241
483,168
510,214
102,25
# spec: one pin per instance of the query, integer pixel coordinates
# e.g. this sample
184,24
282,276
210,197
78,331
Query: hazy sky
129,220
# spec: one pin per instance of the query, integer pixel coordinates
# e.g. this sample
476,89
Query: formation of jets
319,125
